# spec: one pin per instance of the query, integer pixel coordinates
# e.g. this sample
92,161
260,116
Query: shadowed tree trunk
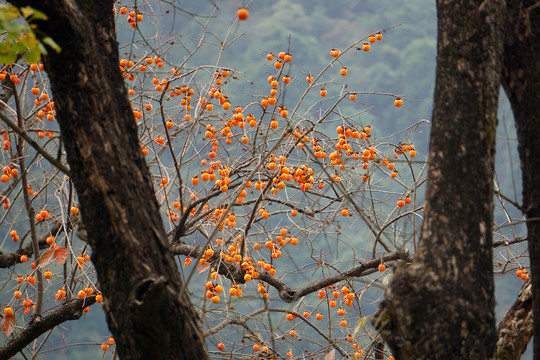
521,81
137,274
442,305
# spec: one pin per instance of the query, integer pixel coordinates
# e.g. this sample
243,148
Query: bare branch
7,260
516,329
34,144
517,240
71,310
286,293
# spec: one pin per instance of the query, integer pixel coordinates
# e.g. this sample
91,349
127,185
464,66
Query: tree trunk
521,81
136,272
442,305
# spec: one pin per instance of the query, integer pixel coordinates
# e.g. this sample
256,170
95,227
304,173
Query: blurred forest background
403,63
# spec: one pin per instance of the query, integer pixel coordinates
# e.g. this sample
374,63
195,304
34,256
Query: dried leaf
8,325
387,278
60,255
331,355
46,257
202,268
360,324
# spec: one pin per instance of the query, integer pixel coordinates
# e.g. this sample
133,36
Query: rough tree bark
136,272
442,305
521,81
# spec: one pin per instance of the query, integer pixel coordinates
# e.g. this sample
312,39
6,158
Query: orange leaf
60,255
8,324
46,257
202,268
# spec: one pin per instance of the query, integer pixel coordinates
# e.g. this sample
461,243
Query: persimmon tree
262,224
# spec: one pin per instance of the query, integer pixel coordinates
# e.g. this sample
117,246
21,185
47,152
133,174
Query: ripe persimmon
242,14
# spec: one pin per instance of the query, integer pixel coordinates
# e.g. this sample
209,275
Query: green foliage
19,37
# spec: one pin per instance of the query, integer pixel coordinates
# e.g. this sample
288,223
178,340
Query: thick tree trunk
521,81
442,305
137,274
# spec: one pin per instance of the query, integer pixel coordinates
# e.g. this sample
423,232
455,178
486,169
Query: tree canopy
249,181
